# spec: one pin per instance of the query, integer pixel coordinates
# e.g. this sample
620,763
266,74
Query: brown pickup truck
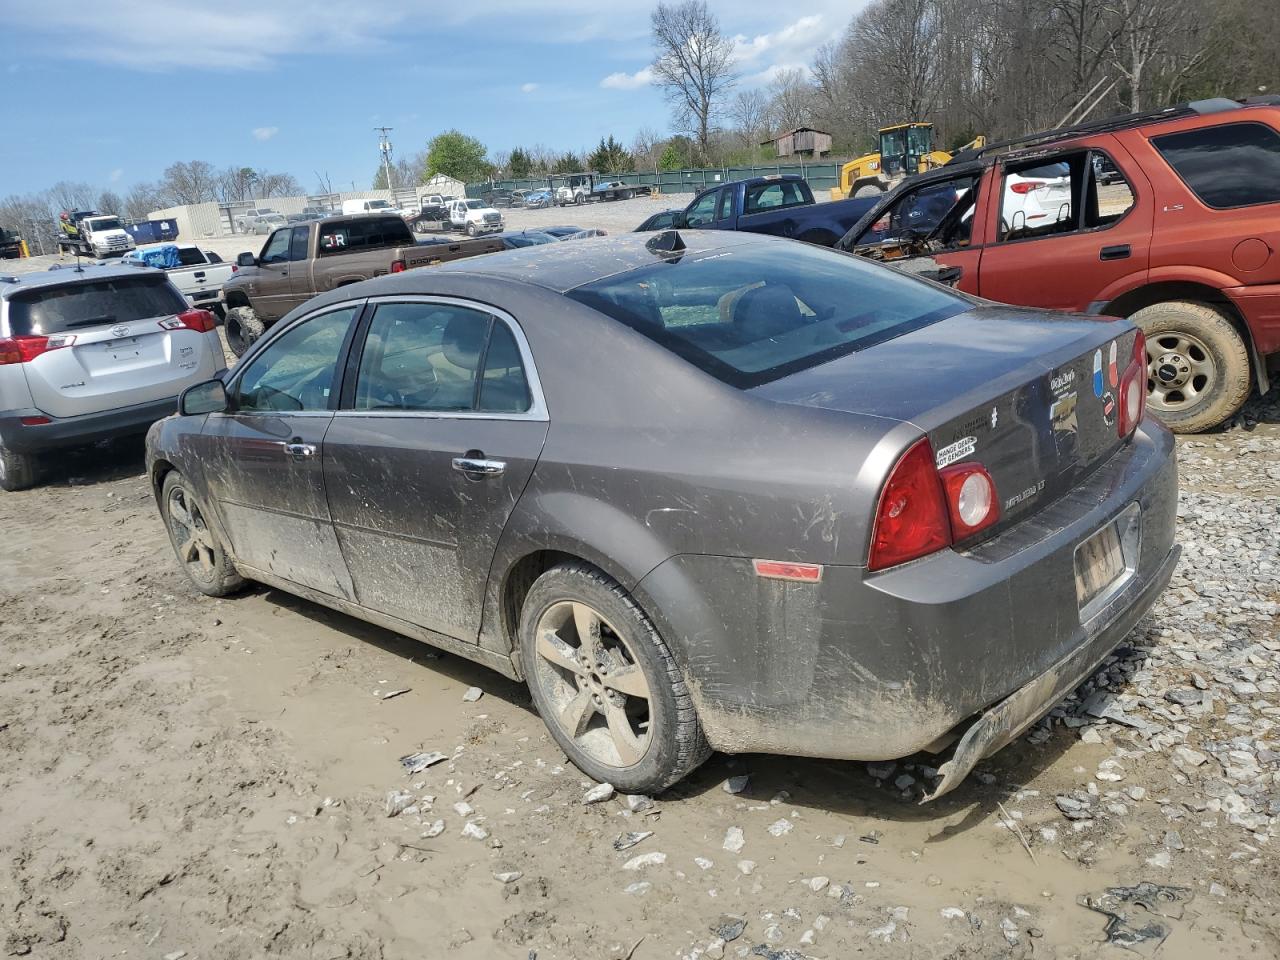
300,261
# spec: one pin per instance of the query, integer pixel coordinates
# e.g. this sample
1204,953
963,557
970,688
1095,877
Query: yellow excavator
905,149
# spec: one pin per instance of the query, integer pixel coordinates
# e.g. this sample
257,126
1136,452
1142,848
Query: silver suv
92,353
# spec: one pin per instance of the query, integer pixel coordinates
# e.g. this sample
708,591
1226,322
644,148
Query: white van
368,206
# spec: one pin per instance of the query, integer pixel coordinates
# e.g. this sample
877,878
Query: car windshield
51,310
475,204
105,223
749,316
378,205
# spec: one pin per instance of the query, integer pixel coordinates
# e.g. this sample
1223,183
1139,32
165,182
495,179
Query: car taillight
201,321
911,517
923,509
1133,388
1026,186
971,498
25,348
397,266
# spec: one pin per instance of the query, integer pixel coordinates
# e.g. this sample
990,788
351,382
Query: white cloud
264,133
115,175
628,81
803,35
528,87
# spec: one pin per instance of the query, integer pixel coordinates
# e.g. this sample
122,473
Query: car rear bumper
876,666
62,432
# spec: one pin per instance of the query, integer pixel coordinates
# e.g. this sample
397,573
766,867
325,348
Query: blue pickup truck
780,205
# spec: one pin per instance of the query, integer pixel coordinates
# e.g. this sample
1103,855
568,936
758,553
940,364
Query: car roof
562,267
62,275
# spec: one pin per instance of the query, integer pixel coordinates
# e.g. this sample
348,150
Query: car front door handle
300,451
478,468
1120,251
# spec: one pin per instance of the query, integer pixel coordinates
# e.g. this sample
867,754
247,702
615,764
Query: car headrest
766,311
463,339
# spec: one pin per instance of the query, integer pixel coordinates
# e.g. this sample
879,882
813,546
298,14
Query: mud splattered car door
439,433
263,457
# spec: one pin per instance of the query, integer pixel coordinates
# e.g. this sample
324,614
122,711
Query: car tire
471,229
642,740
579,199
242,328
18,471
1198,372
200,552
867,190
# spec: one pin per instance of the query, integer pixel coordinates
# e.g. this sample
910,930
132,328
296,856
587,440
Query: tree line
196,181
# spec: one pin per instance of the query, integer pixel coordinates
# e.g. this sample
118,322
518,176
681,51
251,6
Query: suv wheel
605,683
18,471
242,328
471,229
203,558
1197,365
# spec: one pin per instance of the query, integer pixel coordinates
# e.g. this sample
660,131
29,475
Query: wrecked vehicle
864,516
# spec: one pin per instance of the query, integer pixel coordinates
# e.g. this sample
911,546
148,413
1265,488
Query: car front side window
276,249
296,371
440,357
703,209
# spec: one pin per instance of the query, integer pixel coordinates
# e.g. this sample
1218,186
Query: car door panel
1068,271
271,289
419,535
417,515
263,459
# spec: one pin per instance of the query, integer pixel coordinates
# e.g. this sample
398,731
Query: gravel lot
185,777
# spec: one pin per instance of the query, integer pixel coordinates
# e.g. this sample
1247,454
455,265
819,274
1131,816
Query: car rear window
367,233
749,316
1233,165
51,310
774,196
191,256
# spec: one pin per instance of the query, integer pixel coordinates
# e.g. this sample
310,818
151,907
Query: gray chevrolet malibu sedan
699,490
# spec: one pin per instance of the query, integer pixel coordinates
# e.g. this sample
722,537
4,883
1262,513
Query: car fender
572,523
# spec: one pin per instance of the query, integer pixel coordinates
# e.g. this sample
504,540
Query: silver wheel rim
1180,372
191,536
597,691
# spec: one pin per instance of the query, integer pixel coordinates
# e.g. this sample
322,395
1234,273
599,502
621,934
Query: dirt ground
190,778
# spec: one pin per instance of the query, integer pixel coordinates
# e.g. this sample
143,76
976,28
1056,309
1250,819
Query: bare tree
67,195
277,185
790,101
235,184
189,182
646,148
693,64
749,113
142,199
110,202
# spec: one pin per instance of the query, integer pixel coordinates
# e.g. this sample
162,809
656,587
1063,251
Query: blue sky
112,92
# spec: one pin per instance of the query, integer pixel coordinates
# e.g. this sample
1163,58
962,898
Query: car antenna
79,269
669,241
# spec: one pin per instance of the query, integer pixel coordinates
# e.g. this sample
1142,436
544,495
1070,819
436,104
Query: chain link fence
820,176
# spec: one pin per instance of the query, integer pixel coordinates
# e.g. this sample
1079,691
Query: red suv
1170,218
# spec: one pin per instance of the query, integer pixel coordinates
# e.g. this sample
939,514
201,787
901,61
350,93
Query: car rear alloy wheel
197,546
605,683
18,471
1197,366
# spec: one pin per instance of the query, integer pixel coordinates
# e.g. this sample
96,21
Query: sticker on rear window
956,451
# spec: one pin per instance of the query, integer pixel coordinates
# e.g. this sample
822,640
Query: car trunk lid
1032,396
108,347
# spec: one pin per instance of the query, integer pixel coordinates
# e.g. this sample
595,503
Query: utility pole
384,147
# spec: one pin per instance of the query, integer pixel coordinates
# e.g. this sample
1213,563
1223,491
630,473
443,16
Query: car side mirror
207,397
246,260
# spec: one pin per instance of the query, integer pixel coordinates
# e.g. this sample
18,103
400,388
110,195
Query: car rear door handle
477,467
1120,251
300,451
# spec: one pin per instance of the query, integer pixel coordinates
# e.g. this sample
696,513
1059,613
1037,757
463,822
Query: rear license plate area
1099,561
1107,560
126,349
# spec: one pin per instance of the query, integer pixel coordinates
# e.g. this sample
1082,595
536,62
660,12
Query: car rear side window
429,357
774,196
1232,165
50,310
365,233
749,316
